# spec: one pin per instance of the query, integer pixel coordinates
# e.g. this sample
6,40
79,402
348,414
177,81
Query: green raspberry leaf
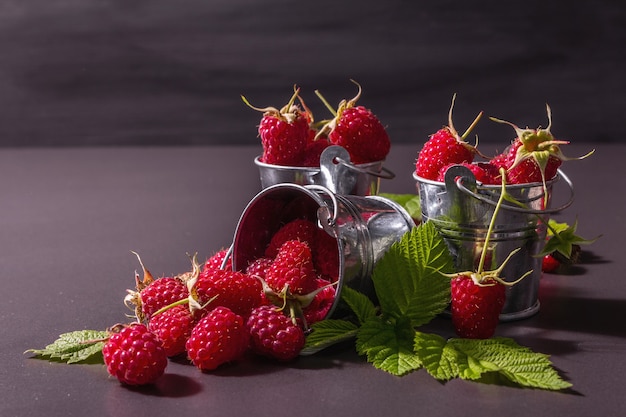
562,237
359,303
81,346
410,202
408,279
517,363
441,360
388,345
328,332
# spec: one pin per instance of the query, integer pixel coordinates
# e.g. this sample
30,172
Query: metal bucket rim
383,172
492,187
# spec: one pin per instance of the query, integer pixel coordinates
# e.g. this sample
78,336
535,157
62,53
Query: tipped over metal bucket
363,228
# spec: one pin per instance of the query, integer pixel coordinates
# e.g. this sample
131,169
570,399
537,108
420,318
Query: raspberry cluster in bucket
290,136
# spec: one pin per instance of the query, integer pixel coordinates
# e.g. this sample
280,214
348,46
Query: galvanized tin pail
364,228
335,172
462,209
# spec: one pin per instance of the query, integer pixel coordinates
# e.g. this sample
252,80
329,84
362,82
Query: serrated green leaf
517,363
388,345
359,303
328,332
408,279
440,359
81,346
562,237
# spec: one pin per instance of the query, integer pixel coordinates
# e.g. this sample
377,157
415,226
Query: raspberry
362,134
476,308
313,152
161,293
218,338
443,148
535,154
173,327
151,295
273,334
322,302
483,172
237,291
258,268
299,229
358,130
550,263
292,267
284,133
216,260
325,251
134,355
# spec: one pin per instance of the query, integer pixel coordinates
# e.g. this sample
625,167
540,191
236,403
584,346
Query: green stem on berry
483,255
326,103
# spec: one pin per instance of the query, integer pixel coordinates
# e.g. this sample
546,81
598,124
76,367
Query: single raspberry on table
476,308
219,337
550,263
173,327
358,130
134,355
273,334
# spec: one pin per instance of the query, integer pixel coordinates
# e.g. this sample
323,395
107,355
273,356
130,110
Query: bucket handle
324,211
570,185
385,173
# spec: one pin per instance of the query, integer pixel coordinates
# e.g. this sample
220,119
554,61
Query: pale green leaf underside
82,346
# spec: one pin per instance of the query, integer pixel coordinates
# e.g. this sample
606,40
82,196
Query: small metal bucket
364,228
335,172
462,209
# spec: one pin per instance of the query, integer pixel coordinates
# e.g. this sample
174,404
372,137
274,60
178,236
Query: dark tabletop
69,219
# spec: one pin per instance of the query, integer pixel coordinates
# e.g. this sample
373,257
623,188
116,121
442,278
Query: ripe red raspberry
151,295
161,293
483,172
299,229
258,268
535,154
325,251
322,303
443,148
358,130
216,260
173,327
284,133
273,334
134,355
313,152
235,290
476,308
362,134
219,337
550,263
293,267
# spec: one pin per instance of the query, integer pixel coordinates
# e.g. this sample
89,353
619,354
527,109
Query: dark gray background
140,72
